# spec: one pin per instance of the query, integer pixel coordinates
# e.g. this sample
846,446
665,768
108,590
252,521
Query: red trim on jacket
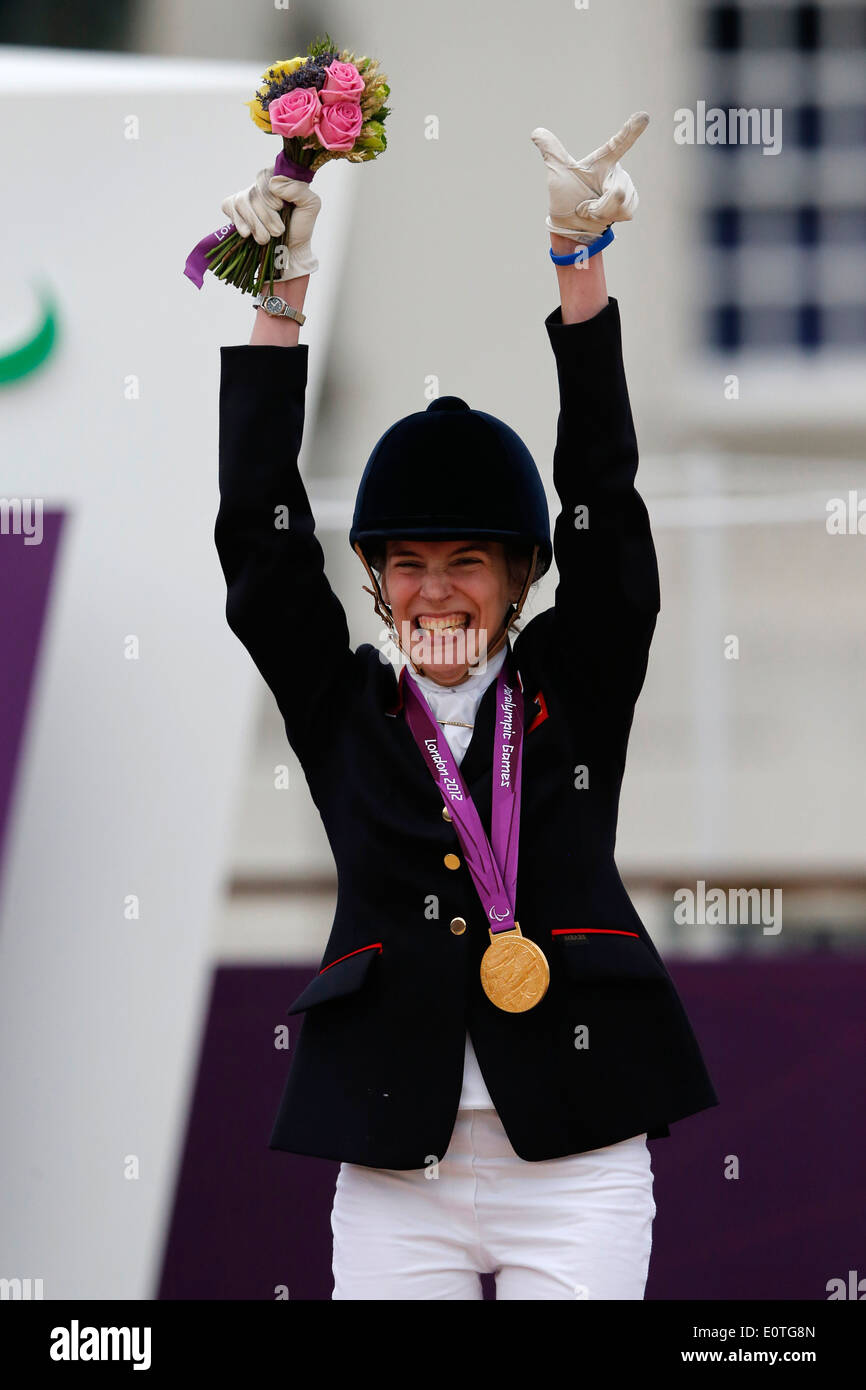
374,946
584,931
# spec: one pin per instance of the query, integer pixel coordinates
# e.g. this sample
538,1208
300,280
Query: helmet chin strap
384,611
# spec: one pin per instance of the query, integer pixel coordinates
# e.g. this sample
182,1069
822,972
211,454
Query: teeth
450,623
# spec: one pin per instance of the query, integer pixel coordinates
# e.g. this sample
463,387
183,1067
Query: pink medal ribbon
514,969
493,867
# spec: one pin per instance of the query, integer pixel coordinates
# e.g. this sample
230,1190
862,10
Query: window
786,232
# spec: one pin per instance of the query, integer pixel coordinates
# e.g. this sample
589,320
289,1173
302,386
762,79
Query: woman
491,1037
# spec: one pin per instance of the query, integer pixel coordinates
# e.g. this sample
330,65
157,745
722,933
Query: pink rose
343,82
339,126
296,112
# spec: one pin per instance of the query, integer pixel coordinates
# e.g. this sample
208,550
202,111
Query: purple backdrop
784,1042
25,582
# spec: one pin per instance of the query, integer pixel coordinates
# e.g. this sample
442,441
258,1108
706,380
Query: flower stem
268,268
259,270
223,247
223,274
249,270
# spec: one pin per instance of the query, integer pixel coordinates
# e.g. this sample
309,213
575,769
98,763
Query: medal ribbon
493,866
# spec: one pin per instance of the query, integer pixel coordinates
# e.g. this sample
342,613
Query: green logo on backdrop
27,357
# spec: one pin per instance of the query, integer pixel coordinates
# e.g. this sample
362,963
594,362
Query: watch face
273,305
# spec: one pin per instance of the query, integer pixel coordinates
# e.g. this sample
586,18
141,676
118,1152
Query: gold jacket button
446,814
458,926
452,861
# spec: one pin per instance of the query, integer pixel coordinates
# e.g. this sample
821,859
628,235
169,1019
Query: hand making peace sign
587,194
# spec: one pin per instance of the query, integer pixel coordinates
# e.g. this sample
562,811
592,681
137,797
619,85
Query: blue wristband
583,253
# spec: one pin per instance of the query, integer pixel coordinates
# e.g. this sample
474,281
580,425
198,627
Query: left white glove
258,212
587,194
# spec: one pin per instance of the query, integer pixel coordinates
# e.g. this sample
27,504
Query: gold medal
514,971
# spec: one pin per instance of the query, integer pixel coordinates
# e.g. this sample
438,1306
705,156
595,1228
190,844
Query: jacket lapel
478,758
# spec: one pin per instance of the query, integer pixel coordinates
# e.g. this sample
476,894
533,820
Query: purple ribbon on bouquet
196,261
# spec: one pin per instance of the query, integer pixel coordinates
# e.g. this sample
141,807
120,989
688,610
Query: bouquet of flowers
327,104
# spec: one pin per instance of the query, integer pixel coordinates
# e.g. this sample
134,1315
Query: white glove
587,194
258,212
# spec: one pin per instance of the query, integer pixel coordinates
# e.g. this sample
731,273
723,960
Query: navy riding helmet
448,472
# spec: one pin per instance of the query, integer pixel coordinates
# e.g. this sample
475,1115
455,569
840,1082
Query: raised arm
607,599
279,602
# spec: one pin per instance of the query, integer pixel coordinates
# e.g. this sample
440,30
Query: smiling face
449,600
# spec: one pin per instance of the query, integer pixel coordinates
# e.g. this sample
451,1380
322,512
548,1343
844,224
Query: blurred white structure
131,766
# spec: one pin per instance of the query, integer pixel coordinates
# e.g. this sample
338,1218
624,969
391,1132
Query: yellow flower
283,69
258,112
259,115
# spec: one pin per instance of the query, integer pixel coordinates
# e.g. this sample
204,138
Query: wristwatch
278,308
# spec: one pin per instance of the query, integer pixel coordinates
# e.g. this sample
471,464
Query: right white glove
586,195
258,212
